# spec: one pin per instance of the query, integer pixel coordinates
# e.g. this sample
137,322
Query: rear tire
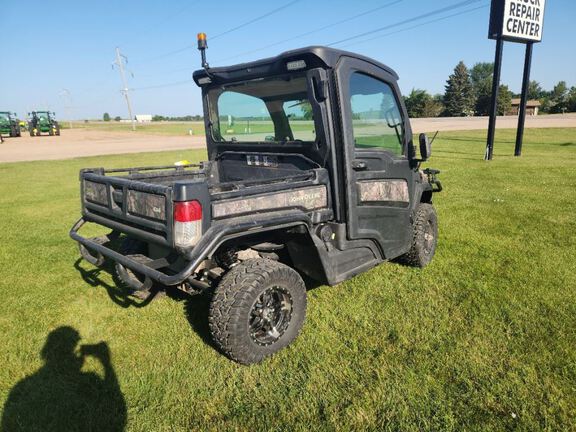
131,280
257,309
424,237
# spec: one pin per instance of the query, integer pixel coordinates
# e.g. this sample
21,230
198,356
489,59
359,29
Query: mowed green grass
482,339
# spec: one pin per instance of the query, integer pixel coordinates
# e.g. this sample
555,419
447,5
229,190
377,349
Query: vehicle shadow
195,306
60,397
196,310
118,293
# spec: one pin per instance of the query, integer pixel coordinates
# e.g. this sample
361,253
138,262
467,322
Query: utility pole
65,93
120,59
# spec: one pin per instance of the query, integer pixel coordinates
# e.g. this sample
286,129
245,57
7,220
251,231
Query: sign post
514,21
523,100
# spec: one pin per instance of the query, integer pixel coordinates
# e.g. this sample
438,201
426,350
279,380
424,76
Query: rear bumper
212,238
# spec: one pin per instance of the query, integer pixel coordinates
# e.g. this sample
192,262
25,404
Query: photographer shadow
60,397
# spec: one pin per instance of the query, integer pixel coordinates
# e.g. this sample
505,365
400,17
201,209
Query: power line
407,21
435,12
416,26
313,31
177,83
258,18
252,21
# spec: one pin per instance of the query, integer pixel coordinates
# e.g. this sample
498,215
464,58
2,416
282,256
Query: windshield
4,116
42,114
269,110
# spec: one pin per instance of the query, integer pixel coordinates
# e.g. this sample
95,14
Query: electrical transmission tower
65,94
119,62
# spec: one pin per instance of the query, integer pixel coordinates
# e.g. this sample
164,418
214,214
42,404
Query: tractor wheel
32,132
57,130
51,132
424,237
13,133
257,309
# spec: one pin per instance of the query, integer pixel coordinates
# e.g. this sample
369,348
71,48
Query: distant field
482,339
158,128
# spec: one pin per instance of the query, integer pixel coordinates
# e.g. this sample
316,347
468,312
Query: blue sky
70,45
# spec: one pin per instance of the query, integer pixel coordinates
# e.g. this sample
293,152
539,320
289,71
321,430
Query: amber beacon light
202,45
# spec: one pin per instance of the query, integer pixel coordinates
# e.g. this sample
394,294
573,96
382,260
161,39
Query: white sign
523,19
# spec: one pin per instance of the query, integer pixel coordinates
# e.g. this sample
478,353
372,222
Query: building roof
530,103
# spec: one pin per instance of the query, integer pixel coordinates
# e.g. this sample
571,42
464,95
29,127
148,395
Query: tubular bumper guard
210,240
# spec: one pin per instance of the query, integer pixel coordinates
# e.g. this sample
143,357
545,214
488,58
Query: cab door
379,178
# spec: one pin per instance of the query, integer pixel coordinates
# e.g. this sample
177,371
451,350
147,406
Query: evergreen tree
459,95
481,77
504,100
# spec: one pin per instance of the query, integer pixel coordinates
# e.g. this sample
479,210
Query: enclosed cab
43,122
312,172
9,124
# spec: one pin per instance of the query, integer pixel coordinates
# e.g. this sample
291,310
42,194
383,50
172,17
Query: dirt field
85,142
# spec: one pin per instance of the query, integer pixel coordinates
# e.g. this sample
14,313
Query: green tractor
43,122
9,124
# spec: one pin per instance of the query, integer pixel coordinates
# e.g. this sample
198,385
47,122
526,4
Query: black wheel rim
428,238
270,316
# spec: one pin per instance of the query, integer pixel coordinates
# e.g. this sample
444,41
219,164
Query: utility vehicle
9,124
43,122
312,173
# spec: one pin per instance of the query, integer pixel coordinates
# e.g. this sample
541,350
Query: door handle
359,165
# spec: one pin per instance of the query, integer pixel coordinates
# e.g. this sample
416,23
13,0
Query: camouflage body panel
146,204
95,192
383,190
310,198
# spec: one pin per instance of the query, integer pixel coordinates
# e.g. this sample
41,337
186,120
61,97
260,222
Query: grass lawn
482,339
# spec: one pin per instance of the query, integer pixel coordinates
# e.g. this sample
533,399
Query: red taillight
187,211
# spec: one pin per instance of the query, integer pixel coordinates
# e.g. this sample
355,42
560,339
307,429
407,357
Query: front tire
257,309
424,237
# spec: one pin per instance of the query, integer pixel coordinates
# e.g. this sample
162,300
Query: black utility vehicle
312,171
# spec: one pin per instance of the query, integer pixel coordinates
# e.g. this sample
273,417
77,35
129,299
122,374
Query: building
143,118
532,107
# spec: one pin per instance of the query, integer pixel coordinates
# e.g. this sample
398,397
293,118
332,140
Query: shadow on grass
119,294
567,144
60,397
196,311
195,306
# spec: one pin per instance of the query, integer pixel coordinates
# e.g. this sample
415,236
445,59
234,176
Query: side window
376,118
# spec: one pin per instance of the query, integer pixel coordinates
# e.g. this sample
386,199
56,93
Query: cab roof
314,56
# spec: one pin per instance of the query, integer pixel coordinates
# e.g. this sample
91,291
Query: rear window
263,110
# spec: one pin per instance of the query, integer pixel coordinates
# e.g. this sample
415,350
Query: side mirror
425,147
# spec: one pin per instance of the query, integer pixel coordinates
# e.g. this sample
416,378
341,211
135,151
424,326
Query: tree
504,100
421,104
535,91
306,110
117,118
106,117
481,78
559,98
416,102
459,95
572,100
